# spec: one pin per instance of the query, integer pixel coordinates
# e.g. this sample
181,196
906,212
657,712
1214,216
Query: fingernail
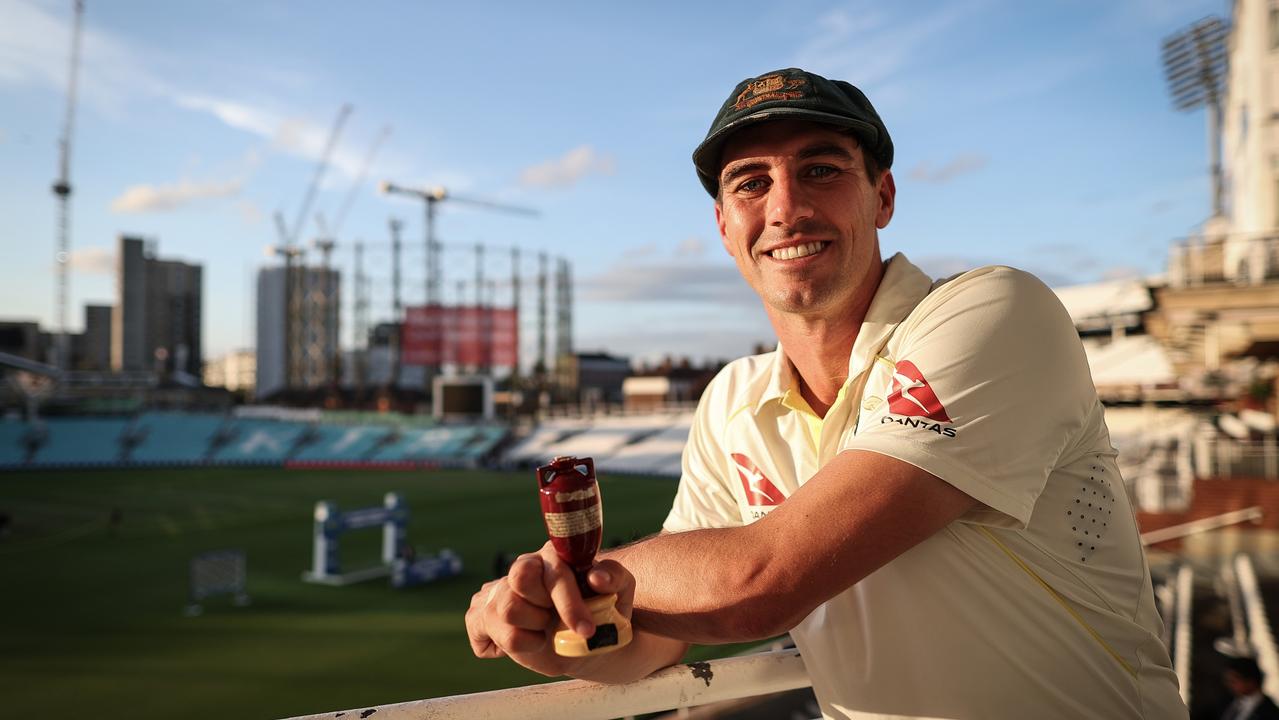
602,576
585,629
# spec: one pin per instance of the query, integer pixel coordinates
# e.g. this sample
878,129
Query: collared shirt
1036,603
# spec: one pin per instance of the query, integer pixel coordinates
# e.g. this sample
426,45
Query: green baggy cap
792,94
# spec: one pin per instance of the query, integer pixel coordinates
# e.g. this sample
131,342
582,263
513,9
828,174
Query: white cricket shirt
1037,604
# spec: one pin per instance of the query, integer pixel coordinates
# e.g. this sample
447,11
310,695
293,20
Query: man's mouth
795,252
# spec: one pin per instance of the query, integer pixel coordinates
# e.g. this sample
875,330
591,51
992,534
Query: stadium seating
482,441
656,454
257,441
533,449
340,443
435,444
173,437
12,449
81,441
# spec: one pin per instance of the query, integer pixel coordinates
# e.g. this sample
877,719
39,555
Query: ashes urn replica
574,521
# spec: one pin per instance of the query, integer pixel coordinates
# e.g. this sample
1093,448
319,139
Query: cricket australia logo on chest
761,494
912,402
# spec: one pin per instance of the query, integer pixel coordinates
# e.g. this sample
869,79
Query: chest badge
760,491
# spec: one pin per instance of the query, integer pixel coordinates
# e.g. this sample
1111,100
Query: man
917,484
1244,678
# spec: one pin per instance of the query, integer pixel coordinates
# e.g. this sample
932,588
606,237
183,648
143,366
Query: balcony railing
700,683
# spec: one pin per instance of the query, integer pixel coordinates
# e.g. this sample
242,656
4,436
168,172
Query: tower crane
296,308
432,197
62,191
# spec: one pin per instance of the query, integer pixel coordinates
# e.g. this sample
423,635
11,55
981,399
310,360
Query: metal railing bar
678,686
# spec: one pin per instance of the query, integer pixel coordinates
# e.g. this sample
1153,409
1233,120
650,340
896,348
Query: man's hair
1246,668
873,170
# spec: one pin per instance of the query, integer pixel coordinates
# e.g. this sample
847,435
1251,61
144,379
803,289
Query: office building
156,321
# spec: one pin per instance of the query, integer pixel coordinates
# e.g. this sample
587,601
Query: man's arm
721,585
857,513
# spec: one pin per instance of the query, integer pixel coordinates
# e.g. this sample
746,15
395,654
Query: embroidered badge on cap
771,87
912,395
759,489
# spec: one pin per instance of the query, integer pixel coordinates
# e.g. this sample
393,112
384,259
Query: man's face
799,215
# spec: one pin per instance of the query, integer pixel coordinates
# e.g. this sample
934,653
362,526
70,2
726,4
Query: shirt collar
902,287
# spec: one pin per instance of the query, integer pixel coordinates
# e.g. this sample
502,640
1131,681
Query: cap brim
706,156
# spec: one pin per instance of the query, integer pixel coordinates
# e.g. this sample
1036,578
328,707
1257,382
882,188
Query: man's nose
788,203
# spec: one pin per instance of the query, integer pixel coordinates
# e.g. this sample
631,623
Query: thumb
609,576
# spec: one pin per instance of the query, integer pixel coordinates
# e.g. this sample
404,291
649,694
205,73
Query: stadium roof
1106,299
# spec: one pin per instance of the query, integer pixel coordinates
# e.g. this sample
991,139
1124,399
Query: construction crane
299,313
432,197
62,191
322,166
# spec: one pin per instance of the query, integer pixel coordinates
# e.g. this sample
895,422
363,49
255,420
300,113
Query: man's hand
516,616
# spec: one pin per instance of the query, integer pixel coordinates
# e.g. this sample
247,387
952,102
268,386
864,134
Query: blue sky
1038,135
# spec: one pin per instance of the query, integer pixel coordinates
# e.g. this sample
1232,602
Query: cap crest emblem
770,87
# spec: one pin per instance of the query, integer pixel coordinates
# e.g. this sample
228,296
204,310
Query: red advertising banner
460,335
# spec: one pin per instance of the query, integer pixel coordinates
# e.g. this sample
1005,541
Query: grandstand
648,444
163,438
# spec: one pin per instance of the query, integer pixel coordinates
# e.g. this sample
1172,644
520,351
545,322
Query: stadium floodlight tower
432,197
1195,66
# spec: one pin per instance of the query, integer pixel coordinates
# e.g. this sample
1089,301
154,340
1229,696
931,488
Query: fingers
500,622
608,576
558,580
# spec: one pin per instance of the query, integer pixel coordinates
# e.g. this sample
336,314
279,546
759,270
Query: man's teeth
797,251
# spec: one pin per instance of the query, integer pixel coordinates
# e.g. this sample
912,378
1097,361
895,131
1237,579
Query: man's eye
822,171
751,185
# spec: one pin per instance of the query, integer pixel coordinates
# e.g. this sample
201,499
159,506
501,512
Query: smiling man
918,484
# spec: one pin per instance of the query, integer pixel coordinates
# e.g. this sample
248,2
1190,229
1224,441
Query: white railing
1260,636
1194,527
1181,648
678,686
692,684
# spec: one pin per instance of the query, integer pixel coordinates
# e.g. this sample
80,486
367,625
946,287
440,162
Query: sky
1038,135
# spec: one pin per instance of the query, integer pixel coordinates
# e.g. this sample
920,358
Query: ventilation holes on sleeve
1088,516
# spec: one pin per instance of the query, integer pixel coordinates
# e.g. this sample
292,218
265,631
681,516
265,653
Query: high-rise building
156,321
1249,144
95,343
297,328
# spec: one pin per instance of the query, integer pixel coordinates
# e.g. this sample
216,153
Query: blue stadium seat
173,437
255,440
482,441
341,443
437,443
12,450
81,441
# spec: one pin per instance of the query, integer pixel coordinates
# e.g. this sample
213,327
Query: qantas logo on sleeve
760,491
912,395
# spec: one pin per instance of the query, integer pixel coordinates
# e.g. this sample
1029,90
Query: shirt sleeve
704,498
990,385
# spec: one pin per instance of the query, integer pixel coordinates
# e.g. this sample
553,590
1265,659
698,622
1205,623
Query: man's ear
887,199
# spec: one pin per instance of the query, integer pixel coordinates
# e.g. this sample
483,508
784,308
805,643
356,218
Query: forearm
707,586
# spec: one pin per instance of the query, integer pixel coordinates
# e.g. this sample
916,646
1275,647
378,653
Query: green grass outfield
91,617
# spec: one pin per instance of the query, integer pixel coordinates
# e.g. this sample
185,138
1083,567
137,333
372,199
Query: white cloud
234,114
155,198
568,169
691,246
92,261
859,43
666,282
35,42
961,165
